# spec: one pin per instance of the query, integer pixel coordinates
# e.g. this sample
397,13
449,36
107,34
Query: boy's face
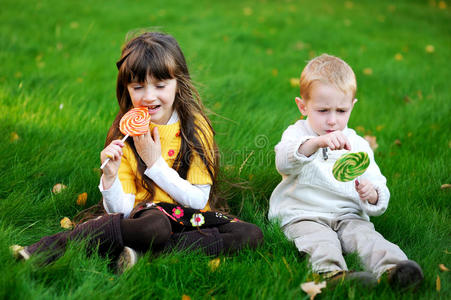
328,108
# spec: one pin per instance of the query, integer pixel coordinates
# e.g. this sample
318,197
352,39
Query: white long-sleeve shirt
308,187
181,190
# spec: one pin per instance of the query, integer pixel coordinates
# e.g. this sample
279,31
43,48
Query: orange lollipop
134,122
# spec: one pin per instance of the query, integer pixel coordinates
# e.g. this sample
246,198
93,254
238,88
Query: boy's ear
301,105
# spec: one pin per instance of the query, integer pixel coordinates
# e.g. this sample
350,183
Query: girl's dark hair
159,56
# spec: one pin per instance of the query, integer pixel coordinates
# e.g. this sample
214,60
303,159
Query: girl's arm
181,190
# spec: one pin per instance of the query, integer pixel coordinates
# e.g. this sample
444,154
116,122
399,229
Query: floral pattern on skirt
185,216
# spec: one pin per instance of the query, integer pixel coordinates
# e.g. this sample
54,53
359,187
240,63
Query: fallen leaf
420,95
443,268
372,141
186,297
14,137
66,223
398,142
275,72
442,5
399,56
312,289
81,199
437,284
74,25
57,188
368,71
445,186
360,128
379,127
214,264
247,11
294,82
429,49
407,99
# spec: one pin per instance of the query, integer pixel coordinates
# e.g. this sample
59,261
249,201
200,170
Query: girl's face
328,110
157,95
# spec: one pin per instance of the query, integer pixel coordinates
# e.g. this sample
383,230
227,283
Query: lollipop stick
108,159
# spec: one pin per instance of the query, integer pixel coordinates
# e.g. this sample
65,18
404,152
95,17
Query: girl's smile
157,95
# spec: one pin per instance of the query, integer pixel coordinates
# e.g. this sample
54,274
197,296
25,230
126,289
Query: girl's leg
103,232
151,229
227,238
237,235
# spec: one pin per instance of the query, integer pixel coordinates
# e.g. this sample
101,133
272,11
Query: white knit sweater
308,188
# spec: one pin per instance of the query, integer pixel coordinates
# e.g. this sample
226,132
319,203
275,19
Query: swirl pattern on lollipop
350,166
135,121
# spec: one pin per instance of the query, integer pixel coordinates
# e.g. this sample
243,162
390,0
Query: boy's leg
377,254
320,242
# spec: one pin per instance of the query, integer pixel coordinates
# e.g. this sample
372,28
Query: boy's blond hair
328,69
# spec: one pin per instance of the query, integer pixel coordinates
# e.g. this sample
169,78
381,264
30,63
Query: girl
158,188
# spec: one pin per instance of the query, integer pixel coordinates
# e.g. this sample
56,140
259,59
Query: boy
325,217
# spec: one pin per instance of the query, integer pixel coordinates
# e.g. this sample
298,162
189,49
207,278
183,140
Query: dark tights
152,229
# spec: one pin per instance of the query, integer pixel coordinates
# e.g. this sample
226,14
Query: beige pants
325,241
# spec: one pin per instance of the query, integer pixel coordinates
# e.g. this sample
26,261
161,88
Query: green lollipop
350,166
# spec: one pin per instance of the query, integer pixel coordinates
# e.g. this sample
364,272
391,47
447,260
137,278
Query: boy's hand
335,141
148,147
114,152
366,191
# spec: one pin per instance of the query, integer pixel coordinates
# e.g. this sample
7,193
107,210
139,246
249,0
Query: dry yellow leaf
275,72
443,268
442,5
57,188
214,264
399,56
437,284
445,186
372,141
66,223
312,288
429,48
14,137
186,297
81,199
294,82
368,71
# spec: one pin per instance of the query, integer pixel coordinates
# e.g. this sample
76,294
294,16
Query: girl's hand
366,191
114,152
148,147
335,141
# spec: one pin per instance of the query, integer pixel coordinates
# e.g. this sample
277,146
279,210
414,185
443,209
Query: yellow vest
170,146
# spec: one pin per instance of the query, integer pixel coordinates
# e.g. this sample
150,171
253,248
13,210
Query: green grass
242,55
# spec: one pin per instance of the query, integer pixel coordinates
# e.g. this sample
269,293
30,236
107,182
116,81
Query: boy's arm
288,158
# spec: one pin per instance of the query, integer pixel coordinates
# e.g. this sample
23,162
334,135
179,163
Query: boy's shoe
335,278
19,252
406,274
127,259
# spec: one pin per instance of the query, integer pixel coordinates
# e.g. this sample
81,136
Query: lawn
57,101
